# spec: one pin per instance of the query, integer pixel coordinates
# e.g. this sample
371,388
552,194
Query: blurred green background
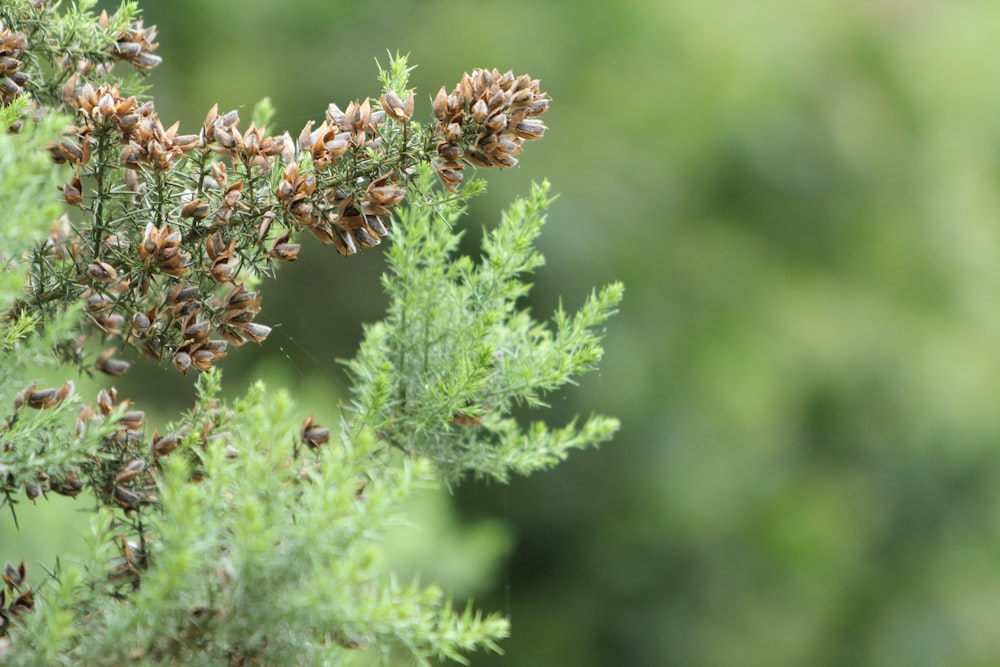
803,200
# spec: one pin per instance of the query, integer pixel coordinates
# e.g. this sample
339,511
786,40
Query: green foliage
273,557
243,534
456,354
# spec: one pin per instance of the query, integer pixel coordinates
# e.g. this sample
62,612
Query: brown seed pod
128,500
108,365
101,271
255,333
182,360
41,398
106,400
396,108
530,128
14,576
133,419
313,435
163,445
68,485
383,193
282,250
196,208
142,323
22,604
131,470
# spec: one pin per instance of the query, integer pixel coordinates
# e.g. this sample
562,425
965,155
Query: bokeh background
803,200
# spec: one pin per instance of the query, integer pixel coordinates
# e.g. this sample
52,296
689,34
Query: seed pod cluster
239,309
135,44
12,78
221,134
484,121
161,249
22,600
196,348
348,213
120,474
207,234
168,222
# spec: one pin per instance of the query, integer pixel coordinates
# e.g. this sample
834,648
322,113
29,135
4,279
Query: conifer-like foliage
243,532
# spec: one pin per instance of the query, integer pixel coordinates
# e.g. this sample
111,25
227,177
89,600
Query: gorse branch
239,533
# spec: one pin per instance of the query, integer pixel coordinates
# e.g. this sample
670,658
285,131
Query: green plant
242,534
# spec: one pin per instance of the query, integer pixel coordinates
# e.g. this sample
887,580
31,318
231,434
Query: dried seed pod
464,419
196,208
163,445
255,333
281,249
133,419
440,105
182,293
477,158
202,360
22,396
101,271
142,323
240,299
128,500
182,360
313,435
68,485
66,391
396,108
106,400
22,604
383,193
131,470
108,365
530,128
14,576
365,237
450,177
198,331
42,398
266,221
